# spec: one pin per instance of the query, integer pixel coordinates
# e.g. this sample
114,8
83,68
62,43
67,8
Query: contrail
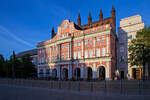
7,32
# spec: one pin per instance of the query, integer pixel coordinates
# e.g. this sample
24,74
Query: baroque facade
127,31
80,51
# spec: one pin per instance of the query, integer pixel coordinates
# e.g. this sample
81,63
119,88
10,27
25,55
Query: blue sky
24,23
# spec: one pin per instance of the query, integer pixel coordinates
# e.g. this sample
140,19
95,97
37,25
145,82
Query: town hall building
80,51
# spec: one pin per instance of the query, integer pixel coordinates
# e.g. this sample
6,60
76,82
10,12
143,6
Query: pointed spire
113,11
89,19
53,32
101,15
79,19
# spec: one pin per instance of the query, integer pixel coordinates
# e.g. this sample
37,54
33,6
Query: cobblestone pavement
9,92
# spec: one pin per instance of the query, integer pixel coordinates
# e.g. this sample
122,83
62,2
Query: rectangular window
74,55
67,56
90,41
62,47
79,55
121,49
86,54
91,54
103,51
97,39
103,38
67,45
62,56
78,43
85,42
98,52
74,43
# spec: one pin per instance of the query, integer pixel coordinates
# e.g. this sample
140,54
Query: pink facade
80,51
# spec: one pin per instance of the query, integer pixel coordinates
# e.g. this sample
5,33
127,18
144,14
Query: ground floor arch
89,73
77,73
54,73
101,73
65,73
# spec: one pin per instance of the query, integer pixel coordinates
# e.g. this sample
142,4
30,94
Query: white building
127,31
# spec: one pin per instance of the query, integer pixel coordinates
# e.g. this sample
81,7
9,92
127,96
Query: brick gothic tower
89,19
113,16
101,15
79,20
53,33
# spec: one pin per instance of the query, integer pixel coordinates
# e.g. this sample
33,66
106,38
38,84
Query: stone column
82,71
59,72
70,71
94,71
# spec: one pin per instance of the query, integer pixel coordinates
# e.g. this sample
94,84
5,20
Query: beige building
127,31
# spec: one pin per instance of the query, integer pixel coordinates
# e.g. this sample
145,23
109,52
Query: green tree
28,67
139,49
2,66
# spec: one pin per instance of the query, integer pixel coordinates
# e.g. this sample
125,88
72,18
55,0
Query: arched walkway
54,73
101,70
77,73
65,73
89,73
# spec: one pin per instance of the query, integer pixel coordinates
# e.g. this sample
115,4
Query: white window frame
91,53
98,52
86,54
79,54
103,51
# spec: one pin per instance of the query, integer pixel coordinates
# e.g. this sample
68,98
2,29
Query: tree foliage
139,48
19,68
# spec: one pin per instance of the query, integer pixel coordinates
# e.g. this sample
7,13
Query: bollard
91,86
51,84
59,84
79,85
120,86
139,87
69,85
105,87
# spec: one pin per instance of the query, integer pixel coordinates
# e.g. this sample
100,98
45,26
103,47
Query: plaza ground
8,92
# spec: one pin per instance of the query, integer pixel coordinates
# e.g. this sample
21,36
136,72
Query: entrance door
122,74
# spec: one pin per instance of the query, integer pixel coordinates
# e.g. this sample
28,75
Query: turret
101,15
113,16
79,20
89,19
53,32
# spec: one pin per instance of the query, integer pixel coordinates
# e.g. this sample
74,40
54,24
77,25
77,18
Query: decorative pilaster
82,49
107,71
94,46
70,50
107,40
